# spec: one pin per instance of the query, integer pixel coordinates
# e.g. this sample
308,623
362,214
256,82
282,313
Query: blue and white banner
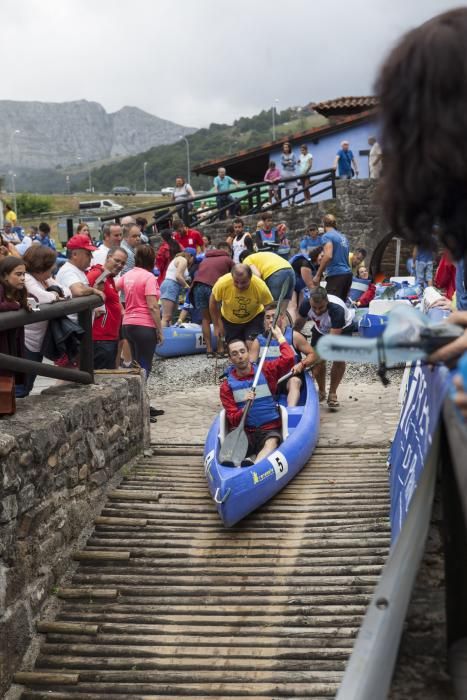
426,390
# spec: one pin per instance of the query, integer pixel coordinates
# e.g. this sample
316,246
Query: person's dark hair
179,225
230,230
44,227
235,340
424,122
174,246
145,257
7,265
287,144
362,251
238,220
141,221
224,246
318,294
205,235
313,227
315,252
180,177
271,307
39,258
244,254
272,164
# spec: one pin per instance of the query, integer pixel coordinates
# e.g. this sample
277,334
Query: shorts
257,438
316,335
339,285
423,271
170,290
201,295
277,279
244,331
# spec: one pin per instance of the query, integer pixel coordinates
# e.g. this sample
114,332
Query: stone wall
357,212
57,454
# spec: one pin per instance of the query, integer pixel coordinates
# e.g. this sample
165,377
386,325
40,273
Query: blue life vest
274,348
263,409
358,287
265,239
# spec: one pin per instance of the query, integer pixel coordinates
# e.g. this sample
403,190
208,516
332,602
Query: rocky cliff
47,135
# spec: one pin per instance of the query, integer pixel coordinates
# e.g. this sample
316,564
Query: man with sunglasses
107,318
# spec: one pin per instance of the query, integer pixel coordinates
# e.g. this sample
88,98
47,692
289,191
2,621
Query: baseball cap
80,242
190,251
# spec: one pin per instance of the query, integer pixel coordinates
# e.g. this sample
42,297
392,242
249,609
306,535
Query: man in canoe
263,424
299,344
330,315
237,303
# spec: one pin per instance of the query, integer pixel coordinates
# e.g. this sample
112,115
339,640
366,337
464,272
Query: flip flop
333,403
222,355
210,355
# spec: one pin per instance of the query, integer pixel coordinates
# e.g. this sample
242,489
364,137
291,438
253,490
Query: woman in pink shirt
273,175
142,319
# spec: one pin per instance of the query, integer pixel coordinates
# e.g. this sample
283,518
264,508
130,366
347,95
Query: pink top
137,284
272,175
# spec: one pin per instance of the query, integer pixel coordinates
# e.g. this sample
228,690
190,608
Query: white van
103,205
66,227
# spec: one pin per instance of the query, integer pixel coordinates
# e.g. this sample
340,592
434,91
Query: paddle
235,446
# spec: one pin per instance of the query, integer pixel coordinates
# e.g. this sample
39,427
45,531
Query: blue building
353,119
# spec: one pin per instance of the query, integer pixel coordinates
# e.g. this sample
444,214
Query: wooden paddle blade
234,448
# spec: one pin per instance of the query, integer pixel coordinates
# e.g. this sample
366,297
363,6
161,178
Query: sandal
210,355
321,396
333,403
222,355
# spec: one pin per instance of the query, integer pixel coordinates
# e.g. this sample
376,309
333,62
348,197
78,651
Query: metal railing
370,669
10,321
250,199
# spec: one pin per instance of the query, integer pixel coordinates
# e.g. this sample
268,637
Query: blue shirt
461,286
45,241
223,183
339,264
344,165
307,243
424,255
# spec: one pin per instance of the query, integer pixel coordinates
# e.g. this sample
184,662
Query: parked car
168,190
100,205
123,190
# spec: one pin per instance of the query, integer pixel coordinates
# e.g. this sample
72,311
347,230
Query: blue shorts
170,290
201,295
277,279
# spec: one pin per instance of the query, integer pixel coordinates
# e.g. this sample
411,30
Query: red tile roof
345,105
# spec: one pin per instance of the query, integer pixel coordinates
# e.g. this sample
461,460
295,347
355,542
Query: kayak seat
294,414
284,418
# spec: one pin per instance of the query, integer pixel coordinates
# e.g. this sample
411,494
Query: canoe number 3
279,463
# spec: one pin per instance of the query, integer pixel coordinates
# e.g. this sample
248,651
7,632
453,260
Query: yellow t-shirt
241,306
11,217
267,263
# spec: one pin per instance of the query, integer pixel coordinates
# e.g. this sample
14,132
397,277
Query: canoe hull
238,492
184,340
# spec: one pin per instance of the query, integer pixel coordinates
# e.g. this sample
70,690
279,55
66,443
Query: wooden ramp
166,603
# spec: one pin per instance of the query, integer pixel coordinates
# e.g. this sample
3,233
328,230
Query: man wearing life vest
330,315
267,238
299,345
263,424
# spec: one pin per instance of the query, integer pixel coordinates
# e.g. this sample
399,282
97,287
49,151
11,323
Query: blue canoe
186,339
239,491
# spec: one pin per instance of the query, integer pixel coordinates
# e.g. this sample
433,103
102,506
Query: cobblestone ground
367,416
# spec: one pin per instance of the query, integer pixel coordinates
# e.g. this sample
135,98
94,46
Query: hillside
166,162
44,135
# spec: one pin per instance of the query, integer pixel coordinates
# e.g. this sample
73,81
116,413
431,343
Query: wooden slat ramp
167,603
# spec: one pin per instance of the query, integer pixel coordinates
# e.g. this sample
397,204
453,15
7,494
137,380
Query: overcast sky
202,61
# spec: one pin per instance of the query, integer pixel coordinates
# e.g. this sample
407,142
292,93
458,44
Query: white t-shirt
34,332
305,163
69,274
99,256
375,161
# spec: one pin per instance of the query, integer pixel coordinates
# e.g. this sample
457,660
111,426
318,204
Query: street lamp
145,165
184,138
274,119
13,189
13,134
89,173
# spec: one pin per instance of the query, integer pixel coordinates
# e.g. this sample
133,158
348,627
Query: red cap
80,242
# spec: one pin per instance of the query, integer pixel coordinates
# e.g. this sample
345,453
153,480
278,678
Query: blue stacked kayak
239,491
186,339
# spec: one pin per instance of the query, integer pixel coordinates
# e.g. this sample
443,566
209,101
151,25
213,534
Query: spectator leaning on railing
13,296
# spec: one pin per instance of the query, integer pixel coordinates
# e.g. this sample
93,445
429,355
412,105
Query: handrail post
86,350
333,183
258,198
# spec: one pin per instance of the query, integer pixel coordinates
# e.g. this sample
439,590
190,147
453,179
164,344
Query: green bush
32,204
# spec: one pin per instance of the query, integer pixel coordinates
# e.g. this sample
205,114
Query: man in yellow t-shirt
237,304
274,270
10,215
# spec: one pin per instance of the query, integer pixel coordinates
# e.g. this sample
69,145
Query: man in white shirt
72,273
375,158
305,163
112,238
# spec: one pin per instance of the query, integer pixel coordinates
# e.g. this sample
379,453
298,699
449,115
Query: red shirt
190,239
272,371
215,264
106,326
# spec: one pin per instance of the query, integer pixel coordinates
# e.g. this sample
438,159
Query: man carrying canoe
263,424
237,303
299,344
